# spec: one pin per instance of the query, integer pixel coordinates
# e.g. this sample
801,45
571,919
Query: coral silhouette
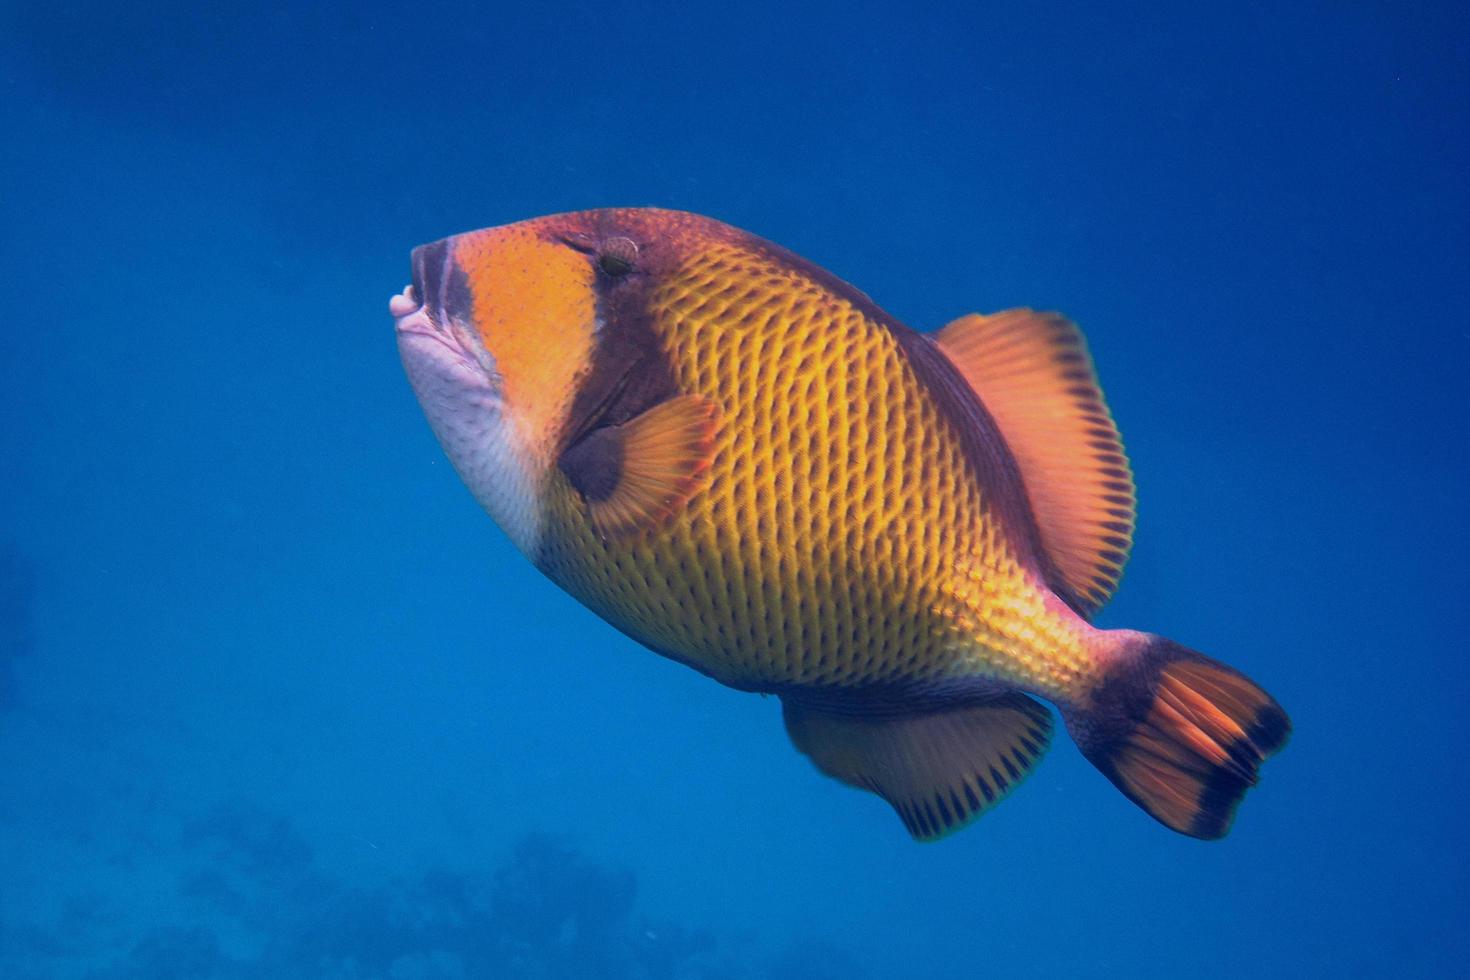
549,912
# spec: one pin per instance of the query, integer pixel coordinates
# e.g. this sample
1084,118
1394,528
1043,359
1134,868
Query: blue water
277,700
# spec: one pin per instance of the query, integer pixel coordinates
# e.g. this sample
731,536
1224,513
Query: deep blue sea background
277,700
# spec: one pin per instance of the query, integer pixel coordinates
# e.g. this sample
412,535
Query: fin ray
1181,735
636,475
938,770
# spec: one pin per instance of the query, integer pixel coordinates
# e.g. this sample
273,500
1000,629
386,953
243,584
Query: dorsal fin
1033,374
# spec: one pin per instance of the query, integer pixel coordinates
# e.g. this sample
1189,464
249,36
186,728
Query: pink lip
404,304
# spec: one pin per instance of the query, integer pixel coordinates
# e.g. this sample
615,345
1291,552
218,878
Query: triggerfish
741,462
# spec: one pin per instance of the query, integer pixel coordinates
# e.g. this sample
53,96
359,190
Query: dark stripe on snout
440,283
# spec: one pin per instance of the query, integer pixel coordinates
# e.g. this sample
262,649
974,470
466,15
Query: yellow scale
841,538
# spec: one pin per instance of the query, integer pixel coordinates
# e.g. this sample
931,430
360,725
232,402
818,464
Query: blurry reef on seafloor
260,906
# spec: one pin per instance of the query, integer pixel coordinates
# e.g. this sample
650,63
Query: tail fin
1180,734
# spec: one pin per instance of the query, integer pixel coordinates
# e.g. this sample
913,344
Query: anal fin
939,770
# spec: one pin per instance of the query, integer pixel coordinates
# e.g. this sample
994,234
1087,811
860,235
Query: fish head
501,330
494,333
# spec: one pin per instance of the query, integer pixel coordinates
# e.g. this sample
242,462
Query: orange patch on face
535,309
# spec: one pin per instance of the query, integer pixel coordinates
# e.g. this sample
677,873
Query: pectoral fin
636,475
939,770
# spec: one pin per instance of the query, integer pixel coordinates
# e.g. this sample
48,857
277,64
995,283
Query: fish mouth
408,307
405,304
439,292
410,316
423,297
415,309
432,315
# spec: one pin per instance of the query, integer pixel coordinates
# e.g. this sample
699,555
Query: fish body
743,463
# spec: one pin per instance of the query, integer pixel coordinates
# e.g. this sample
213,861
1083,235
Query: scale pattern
841,539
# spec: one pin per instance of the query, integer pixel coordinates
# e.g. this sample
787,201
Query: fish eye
617,257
